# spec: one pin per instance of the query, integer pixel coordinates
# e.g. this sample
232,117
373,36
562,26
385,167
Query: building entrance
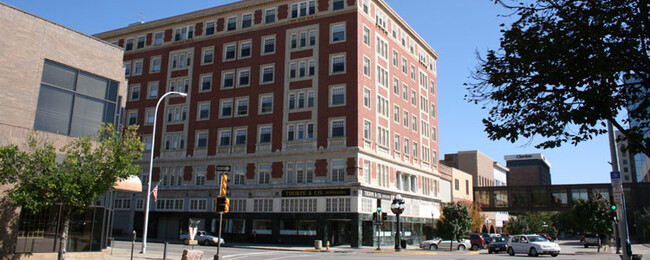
339,232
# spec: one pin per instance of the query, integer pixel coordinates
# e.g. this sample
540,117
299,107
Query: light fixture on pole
153,145
397,207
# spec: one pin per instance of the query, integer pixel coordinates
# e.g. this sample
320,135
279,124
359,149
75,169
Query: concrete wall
25,42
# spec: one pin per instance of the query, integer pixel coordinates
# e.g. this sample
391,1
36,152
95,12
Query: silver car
533,245
435,244
203,238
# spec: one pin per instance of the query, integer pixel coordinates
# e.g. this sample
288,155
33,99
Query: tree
476,214
593,216
89,167
532,223
454,223
564,68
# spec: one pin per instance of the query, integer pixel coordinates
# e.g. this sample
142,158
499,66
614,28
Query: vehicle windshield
499,239
537,239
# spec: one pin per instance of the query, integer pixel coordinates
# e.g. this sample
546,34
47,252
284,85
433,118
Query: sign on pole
223,168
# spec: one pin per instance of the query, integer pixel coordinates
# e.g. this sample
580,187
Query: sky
457,30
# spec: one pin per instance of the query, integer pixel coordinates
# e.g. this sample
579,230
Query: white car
203,238
533,245
438,243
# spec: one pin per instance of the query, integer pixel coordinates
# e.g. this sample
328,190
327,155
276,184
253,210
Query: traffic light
222,204
224,184
378,204
612,206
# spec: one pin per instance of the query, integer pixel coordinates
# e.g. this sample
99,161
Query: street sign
378,223
223,168
618,198
615,175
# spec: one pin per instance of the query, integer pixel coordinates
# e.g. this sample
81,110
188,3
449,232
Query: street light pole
397,207
153,145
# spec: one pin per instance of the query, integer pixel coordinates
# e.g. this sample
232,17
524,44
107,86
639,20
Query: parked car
487,238
477,241
533,245
438,243
497,245
589,240
547,236
203,238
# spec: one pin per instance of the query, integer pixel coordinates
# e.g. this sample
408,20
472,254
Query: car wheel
532,252
554,254
511,251
461,248
206,242
433,247
489,251
474,247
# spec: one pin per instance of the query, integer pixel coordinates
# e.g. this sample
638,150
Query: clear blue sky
455,29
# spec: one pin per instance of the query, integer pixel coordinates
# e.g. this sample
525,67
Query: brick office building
320,107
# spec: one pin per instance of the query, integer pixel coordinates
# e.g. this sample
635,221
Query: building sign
315,193
373,194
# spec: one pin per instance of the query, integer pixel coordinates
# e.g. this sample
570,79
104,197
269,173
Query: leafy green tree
593,216
531,223
455,222
564,68
87,168
476,213
517,225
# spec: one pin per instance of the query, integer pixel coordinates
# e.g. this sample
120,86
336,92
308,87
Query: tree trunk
63,234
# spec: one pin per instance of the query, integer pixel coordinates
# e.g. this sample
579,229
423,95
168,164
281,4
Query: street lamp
397,207
153,145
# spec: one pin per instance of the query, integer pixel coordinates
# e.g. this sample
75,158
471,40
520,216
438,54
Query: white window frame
241,48
225,51
223,79
334,26
264,67
155,37
367,101
331,127
240,71
261,104
337,56
152,64
263,44
203,55
331,95
150,89
201,79
366,66
220,136
199,108
236,106
260,128
227,23
366,36
221,107
199,133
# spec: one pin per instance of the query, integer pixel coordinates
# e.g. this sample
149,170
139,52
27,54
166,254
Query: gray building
528,169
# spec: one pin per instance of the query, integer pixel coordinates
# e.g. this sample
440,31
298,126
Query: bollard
132,244
165,251
327,245
112,241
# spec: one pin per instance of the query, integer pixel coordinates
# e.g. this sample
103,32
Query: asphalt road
122,250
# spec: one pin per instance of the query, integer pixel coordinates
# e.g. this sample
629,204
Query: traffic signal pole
222,205
622,215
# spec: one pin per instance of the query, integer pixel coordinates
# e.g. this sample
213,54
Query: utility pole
619,197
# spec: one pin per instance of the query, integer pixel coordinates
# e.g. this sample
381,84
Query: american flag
154,192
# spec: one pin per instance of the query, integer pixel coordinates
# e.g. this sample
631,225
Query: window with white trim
129,45
382,48
240,175
149,116
414,123
412,72
298,205
269,16
264,173
206,83
120,204
209,28
169,205
155,64
127,68
174,141
404,65
382,106
337,128
366,97
231,24
396,114
266,104
208,56
433,110
176,113
199,176
405,92
246,20
300,69
240,136
303,9
415,150
337,96
132,117
366,36
434,134
242,107
395,58
184,33
228,79
425,128
366,66
225,108
367,130
337,64
158,38
179,84
407,146
337,5
204,110
338,170
268,43
229,51
245,49
366,171
137,67
380,18
423,104
337,32
337,205
302,39
299,131
396,143
300,99
414,99
244,77
396,86
267,74
146,139
263,205
265,135
365,6
134,92
383,137
425,154
181,60
382,77
406,119
198,204
225,138
383,175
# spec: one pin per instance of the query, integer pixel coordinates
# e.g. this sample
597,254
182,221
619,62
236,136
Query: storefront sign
373,194
315,193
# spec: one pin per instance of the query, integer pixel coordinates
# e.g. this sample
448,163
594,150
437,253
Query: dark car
497,245
477,241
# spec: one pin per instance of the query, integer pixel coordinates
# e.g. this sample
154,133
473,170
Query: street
122,250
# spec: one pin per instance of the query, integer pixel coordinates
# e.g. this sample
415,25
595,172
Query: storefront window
262,226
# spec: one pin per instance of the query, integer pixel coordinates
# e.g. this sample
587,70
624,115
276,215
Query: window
140,43
382,77
301,99
366,66
366,97
155,65
337,96
208,56
224,137
240,175
267,73
412,72
201,140
423,105
132,118
134,92
231,24
338,32
245,49
147,142
228,80
199,204
366,36
265,135
209,28
266,104
337,128
242,107
382,48
394,30
269,16
381,18
152,91
137,67
300,131
338,170
229,51
425,128
149,116
226,108
181,59
338,64
404,66
174,141
244,77
302,68
206,83
269,45
414,123
303,8
246,20
406,119
456,184
415,150
264,173
184,33
204,111
433,110
407,146
337,5
179,84
240,136
383,136
129,45
414,98
395,59
434,134
396,114
176,113
405,92
158,39
382,106
366,6
396,144
367,129
127,68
